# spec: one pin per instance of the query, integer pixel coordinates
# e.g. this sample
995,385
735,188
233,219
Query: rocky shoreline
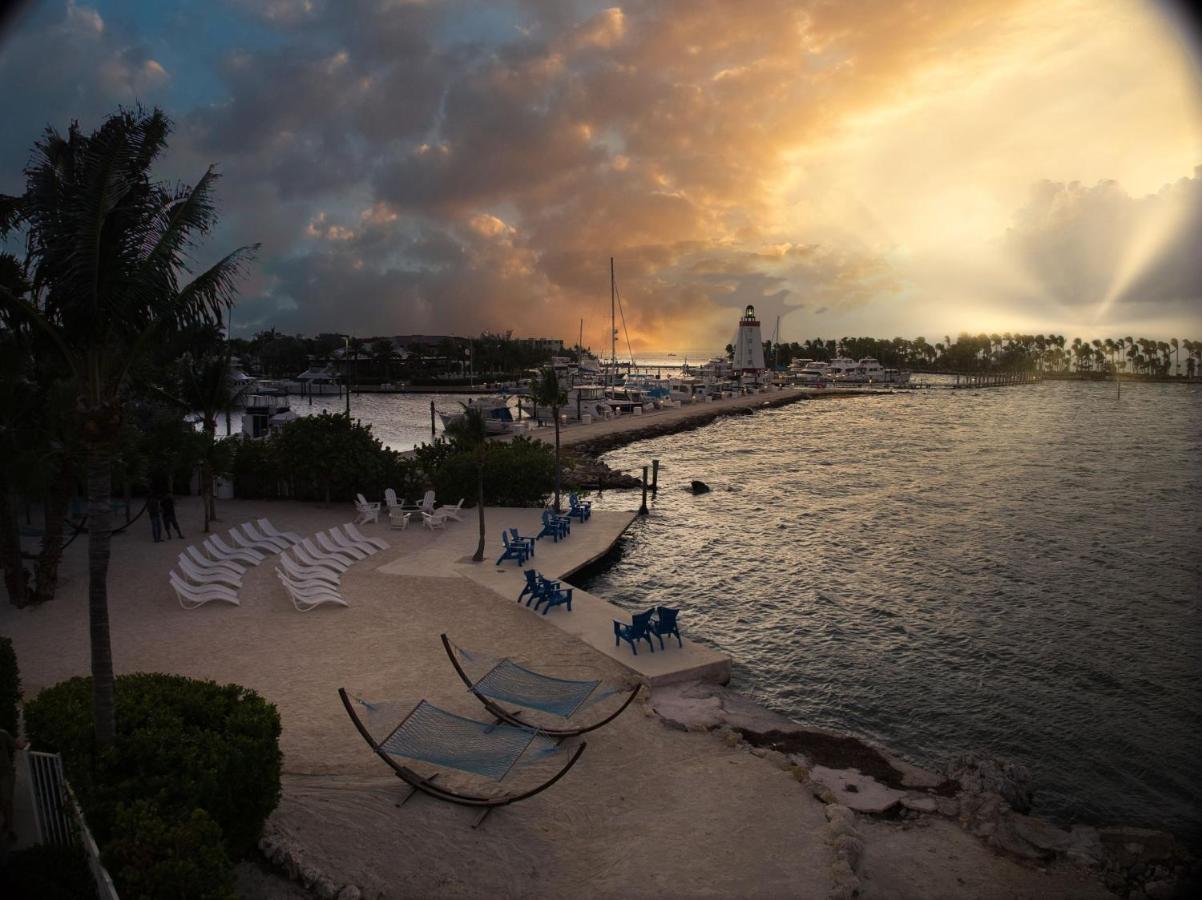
988,798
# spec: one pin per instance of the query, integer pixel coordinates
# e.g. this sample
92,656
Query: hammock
509,682
436,736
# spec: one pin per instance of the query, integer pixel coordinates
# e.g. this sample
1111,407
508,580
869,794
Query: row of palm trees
1010,352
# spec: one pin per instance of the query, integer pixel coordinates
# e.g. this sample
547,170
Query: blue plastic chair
551,528
536,586
554,596
580,509
515,538
665,623
639,629
512,551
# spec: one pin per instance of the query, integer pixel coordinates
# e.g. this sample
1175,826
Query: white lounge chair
308,573
354,534
264,547
398,519
218,549
191,596
452,512
335,565
234,568
305,598
368,512
279,543
433,521
322,553
207,576
326,543
342,538
271,531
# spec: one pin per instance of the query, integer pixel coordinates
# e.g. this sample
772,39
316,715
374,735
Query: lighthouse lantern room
749,348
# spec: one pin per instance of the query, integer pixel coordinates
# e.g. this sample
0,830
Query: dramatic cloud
848,167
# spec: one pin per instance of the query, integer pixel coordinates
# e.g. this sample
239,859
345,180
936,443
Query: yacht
813,372
498,418
865,371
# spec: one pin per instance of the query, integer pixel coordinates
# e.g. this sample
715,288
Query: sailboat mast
613,331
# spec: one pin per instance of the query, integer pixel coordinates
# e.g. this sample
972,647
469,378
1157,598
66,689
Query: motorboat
865,371
498,417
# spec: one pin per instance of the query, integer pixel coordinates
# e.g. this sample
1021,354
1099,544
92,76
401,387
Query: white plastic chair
327,543
271,531
368,512
207,576
398,519
322,553
427,504
203,561
218,549
452,512
354,534
433,521
334,564
276,543
343,539
390,499
306,597
191,596
308,573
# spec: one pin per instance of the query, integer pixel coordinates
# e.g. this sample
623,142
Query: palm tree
546,392
467,432
108,250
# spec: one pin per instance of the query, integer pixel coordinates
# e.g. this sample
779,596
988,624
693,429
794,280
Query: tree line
1008,352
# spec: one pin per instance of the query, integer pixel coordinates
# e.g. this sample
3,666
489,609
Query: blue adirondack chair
512,551
665,623
639,629
515,538
580,509
554,596
551,528
536,586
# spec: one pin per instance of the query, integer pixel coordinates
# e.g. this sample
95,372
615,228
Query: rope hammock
508,682
435,736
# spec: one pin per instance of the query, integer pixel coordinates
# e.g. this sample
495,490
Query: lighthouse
749,349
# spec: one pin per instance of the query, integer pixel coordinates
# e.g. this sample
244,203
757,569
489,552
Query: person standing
167,505
155,510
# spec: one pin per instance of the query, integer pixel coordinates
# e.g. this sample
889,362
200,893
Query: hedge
518,473
150,857
10,686
181,744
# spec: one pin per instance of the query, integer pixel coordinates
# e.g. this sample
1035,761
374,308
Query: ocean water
1017,570
400,421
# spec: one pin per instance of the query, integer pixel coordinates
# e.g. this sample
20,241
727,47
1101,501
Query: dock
591,617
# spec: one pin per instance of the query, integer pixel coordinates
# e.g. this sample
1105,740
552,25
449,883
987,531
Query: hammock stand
514,718
417,783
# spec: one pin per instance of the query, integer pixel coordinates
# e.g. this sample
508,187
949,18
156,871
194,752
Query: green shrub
255,469
181,743
519,473
151,857
10,686
47,872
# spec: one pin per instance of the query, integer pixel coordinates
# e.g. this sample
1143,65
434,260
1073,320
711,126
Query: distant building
749,347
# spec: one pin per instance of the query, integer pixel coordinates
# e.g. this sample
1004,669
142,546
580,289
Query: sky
864,168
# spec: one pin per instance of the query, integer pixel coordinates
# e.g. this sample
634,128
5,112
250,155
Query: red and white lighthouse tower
749,348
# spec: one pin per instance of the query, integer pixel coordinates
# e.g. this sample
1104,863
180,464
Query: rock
1128,846
1005,837
700,487
801,773
845,883
979,773
850,849
325,889
822,792
856,791
948,806
350,892
920,804
1086,846
1041,834
1166,889
840,816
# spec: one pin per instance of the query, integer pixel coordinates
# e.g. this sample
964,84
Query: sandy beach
650,809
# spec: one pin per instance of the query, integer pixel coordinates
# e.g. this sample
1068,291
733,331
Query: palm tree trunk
10,546
100,528
555,412
479,554
46,579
